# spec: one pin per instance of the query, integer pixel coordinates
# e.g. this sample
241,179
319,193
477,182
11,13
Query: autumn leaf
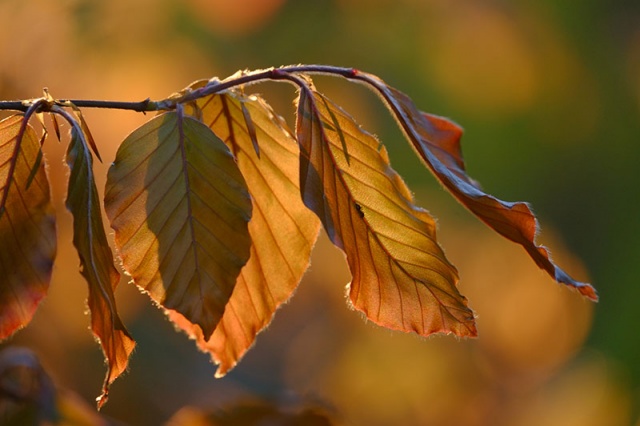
27,226
401,277
437,142
96,260
282,229
85,131
180,207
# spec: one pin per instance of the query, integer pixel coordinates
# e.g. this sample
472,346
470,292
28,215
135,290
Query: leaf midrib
185,164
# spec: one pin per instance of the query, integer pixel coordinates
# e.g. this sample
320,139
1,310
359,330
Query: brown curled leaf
437,142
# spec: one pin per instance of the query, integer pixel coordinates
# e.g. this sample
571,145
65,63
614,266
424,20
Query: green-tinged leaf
96,261
401,277
27,227
180,207
437,141
282,229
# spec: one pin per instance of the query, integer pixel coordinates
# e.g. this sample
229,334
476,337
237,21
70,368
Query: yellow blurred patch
481,59
235,18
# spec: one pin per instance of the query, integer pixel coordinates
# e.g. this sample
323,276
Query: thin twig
214,86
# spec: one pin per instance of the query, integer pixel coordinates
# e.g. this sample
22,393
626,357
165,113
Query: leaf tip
588,291
221,372
102,399
585,289
471,331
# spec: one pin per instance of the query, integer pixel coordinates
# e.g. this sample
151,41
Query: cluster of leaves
216,206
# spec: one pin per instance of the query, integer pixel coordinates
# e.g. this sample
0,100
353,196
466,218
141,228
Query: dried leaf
401,277
437,141
56,125
96,261
282,229
180,207
85,130
27,227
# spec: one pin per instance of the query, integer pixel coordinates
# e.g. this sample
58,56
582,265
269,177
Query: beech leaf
27,226
437,142
401,278
282,229
180,207
56,126
96,260
88,137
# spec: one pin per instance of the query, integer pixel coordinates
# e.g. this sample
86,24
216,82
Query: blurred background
549,95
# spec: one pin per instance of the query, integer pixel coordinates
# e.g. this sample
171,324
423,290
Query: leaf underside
27,227
282,229
96,261
437,142
179,207
401,278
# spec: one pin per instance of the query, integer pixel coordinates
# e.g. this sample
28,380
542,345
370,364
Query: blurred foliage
251,413
549,95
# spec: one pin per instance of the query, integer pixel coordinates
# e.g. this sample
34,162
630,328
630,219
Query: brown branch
214,86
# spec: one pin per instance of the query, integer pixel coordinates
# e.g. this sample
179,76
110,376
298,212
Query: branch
142,106
214,86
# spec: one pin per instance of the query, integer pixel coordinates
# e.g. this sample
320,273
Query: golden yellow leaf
282,229
401,277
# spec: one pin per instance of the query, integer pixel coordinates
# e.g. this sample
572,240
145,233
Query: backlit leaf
96,260
27,227
401,277
437,142
85,130
56,126
282,229
180,207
